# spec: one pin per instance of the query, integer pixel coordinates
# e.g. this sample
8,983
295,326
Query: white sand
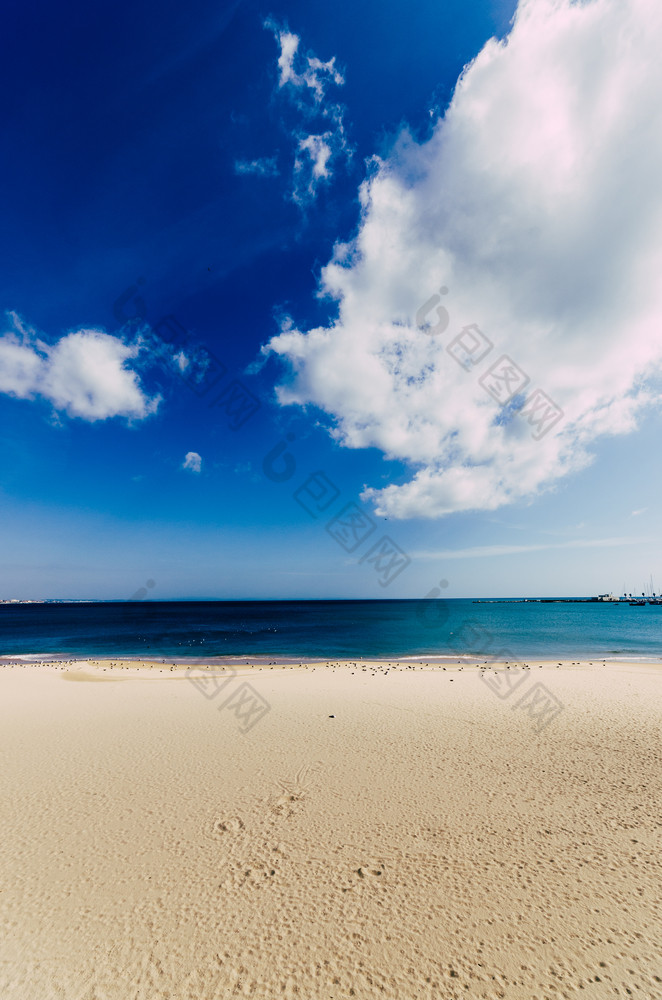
427,842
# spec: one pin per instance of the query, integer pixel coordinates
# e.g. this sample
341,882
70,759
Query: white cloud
84,374
20,367
265,167
313,74
194,364
289,44
321,144
536,201
193,462
312,164
316,159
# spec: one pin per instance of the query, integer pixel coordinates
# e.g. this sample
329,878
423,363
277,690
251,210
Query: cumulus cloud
319,135
532,216
192,462
85,374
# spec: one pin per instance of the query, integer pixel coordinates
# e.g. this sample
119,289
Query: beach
332,829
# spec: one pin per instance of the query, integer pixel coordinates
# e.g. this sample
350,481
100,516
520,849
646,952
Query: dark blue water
332,629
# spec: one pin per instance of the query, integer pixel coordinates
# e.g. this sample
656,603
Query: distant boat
637,604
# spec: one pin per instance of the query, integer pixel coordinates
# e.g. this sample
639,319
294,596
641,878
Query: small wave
36,657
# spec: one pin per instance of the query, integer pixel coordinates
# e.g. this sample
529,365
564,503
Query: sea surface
331,629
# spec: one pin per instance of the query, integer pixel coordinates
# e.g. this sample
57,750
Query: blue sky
227,224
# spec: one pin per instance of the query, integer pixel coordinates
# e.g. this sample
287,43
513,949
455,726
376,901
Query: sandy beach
330,830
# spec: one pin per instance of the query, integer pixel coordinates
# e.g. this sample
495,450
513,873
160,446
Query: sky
331,301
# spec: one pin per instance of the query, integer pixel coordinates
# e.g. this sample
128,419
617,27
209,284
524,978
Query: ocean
331,629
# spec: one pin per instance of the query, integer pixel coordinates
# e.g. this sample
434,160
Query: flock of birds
368,666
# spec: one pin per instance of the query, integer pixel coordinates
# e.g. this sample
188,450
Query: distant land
602,598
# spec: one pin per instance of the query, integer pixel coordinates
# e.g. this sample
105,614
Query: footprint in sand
233,825
289,802
372,869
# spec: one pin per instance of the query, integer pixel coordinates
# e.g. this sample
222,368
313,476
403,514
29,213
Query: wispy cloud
265,167
320,142
312,76
311,164
487,551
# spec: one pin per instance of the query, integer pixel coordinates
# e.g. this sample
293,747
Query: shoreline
259,662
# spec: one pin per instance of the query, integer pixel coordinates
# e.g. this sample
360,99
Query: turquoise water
333,629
